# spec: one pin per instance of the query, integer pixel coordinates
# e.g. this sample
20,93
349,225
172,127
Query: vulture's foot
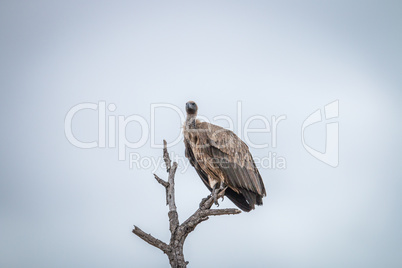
215,196
215,192
222,190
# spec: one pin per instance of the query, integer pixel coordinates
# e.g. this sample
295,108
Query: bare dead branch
217,212
164,184
179,232
151,240
166,156
173,216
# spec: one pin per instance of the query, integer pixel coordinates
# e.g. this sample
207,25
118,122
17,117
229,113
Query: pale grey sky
62,206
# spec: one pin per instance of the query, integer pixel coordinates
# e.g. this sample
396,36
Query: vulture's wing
190,156
235,162
238,199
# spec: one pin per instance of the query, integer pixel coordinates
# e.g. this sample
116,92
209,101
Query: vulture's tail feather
245,200
239,200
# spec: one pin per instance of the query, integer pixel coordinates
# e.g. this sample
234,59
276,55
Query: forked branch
179,232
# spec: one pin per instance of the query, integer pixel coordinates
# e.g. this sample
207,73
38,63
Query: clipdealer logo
331,154
111,133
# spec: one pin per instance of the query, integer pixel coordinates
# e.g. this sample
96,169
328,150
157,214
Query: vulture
222,160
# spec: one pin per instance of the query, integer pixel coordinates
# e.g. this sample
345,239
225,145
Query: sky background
63,206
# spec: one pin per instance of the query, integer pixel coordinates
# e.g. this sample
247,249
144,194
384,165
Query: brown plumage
222,159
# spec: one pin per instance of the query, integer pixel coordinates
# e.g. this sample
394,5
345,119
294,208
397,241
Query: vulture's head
191,108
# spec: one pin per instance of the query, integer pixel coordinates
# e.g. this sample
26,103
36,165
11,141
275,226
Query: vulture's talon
215,196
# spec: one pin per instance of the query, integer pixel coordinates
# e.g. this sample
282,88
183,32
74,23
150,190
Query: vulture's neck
190,121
